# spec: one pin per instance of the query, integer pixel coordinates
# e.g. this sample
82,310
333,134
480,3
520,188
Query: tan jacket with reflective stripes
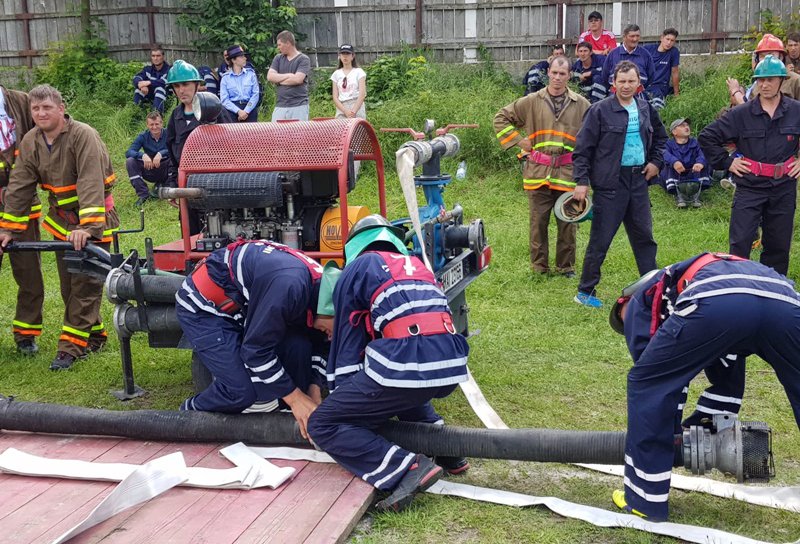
76,171
18,109
552,135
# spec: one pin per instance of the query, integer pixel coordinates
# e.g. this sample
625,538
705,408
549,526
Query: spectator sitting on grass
147,159
150,85
666,62
587,72
536,77
685,171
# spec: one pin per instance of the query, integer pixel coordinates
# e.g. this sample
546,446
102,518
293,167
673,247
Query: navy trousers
344,426
628,205
216,341
138,175
156,93
681,348
772,208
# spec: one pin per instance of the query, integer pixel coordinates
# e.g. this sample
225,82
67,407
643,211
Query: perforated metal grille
302,145
757,461
229,190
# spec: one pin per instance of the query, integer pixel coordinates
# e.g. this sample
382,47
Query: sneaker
697,204
727,183
27,347
63,361
453,465
569,275
422,474
590,301
681,203
618,497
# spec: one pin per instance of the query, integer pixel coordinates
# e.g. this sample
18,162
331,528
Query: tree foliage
253,24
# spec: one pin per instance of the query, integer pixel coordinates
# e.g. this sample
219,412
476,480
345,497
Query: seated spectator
793,51
630,50
536,77
685,172
210,80
602,41
150,85
587,72
666,61
148,158
239,90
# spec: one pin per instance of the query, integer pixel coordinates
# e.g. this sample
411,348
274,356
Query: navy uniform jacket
593,87
598,150
639,56
366,299
716,279
757,137
536,77
179,126
688,154
275,291
158,78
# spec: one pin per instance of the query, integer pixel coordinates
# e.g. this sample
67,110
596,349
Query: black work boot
453,465
422,474
63,361
28,347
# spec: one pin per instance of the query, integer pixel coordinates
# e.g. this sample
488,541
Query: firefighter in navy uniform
394,348
765,131
678,321
71,162
247,312
15,121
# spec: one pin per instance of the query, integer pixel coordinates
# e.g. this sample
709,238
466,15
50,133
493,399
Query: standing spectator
150,85
349,85
685,172
587,72
147,159
15,122
238,89
618,150
793,51
550,118
630,51
289,73
765,131
184,80
666,61
71,162
602,41
535,78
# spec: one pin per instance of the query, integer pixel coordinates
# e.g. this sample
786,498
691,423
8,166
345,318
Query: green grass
541,360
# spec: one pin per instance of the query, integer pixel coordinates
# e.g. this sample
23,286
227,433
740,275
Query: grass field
541,360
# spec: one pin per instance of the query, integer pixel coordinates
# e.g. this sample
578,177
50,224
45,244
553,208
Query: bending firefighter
702,313
394,349
70,161
15,122
247,312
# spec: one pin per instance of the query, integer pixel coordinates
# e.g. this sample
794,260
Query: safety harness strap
425,324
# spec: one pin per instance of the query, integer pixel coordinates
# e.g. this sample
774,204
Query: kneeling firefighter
394,348
247,312
699,314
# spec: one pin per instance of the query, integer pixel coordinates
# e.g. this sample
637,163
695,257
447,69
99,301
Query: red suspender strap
703,260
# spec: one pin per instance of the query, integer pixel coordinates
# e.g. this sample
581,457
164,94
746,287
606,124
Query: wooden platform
321,504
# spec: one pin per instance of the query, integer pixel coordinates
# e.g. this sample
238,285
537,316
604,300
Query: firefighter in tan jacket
15,122
550,119
71,163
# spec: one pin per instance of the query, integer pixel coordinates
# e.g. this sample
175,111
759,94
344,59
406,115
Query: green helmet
770,67
373,228
183,72
330,275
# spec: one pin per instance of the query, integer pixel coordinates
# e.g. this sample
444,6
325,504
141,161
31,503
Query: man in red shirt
602,40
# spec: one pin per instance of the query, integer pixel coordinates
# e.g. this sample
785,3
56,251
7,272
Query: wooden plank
345,513
311,494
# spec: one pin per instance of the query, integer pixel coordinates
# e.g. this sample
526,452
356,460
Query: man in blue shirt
239,90
150,85
535,78
587,72
630,51
666,61
147,159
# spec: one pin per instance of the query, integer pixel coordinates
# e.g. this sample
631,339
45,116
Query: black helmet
614,317
373,228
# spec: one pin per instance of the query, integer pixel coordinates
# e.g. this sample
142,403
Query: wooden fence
455,30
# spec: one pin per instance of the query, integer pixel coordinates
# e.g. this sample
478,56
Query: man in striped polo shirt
394,348
705,313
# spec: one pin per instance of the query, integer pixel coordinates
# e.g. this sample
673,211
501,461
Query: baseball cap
680,120
595,15
346,48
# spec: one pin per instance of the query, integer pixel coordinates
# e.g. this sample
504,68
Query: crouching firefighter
70,161
15,122
394,348
685,318
247,312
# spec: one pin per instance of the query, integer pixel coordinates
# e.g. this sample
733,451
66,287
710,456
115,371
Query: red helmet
770,43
